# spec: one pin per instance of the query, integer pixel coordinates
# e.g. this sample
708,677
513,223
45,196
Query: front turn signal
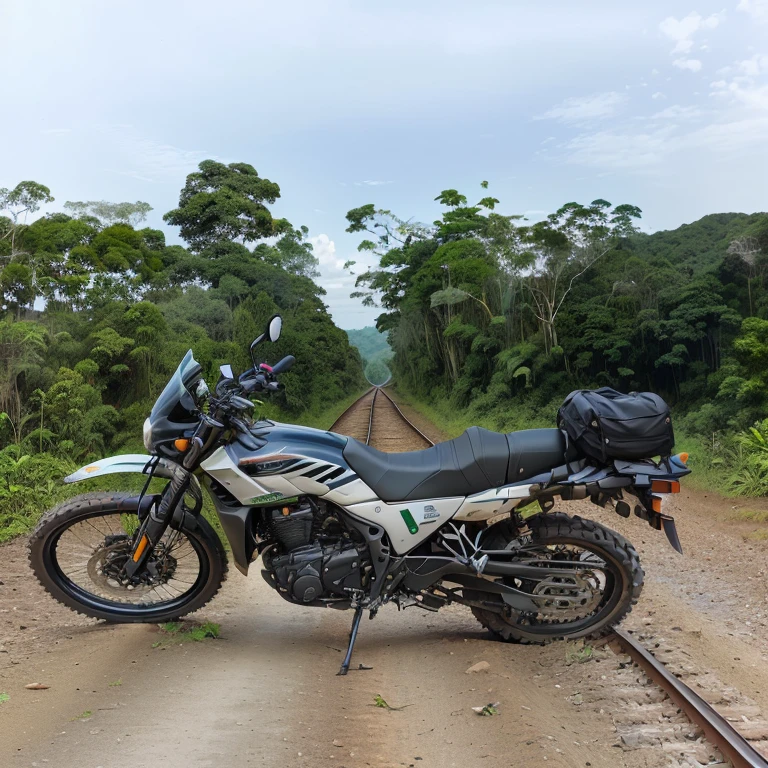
683,457
181,444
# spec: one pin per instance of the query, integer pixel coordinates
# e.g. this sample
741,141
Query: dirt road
266,694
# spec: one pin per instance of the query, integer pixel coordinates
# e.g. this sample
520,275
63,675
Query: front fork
169,509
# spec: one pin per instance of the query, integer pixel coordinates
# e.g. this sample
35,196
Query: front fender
130,462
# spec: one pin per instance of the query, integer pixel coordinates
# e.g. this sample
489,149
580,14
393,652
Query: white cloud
324,250
757,9
694,65
677,112
371,183
748,87
658,95
649,150
682,32
147,159
754,66
582,108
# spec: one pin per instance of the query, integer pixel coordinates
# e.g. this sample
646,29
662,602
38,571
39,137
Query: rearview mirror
226,371
274,328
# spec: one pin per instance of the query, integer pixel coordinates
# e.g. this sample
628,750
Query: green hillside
375,351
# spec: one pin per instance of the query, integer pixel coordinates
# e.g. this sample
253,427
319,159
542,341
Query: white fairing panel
484,505
351,493
427,517
221,468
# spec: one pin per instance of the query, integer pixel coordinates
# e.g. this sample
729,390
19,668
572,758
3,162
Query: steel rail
347,410
370,416
405,418
716,728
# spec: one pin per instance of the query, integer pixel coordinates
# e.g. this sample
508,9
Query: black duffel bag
605,424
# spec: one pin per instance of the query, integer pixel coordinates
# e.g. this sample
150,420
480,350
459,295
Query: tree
226,202
25,198
562,247
110,213
747,249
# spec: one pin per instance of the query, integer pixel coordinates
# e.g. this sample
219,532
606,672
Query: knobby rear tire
559,528
89,505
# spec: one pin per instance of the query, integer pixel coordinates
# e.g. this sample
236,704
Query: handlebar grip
284,365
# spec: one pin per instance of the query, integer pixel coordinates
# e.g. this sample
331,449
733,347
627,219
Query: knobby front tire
86,591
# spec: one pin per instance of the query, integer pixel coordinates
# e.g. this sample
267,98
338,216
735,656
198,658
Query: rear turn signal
656,504
665,486
181,444
683,457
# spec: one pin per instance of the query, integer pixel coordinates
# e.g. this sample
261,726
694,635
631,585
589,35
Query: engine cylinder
292,526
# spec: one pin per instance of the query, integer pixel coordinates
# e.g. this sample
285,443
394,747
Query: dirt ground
266,694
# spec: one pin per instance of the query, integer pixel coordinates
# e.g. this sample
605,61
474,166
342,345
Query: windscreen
176,402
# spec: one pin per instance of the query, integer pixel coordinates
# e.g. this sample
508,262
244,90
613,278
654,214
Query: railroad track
376,419
740,751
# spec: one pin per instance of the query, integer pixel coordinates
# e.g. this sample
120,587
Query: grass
4,697
115,683
761,535
750,515
178,632
579,654
83,715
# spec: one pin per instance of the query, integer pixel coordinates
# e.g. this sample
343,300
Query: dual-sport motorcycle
342,525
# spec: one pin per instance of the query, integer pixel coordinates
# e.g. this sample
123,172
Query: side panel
482,506
410,522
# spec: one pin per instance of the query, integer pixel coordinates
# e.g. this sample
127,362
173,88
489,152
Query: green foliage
29,484
120,310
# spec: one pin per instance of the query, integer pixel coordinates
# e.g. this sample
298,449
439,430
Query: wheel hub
568,597
105,567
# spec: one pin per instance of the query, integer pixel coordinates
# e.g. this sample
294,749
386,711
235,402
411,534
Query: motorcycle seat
473,462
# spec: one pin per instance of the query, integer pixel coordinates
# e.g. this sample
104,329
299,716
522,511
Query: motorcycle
339,524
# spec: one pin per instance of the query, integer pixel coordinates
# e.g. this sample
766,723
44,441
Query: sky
662,104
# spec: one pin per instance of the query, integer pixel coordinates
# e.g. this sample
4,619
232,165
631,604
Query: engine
313,559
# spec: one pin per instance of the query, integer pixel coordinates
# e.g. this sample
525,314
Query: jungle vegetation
97,311
494,319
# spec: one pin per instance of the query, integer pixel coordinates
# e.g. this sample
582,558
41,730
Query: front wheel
587,605
79,547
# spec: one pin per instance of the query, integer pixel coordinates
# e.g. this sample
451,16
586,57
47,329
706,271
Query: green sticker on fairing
409,521
271,498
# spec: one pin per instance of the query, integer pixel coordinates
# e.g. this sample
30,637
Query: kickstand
352,637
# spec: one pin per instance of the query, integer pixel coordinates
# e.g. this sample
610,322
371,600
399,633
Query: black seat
475,461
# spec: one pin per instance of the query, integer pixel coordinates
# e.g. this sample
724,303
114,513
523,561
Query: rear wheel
78,549
588,604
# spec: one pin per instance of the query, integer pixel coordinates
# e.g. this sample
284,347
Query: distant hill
703,243
376,353
371,344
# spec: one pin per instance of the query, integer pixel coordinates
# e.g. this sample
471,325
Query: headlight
148,434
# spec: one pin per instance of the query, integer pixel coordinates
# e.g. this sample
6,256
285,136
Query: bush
28,486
